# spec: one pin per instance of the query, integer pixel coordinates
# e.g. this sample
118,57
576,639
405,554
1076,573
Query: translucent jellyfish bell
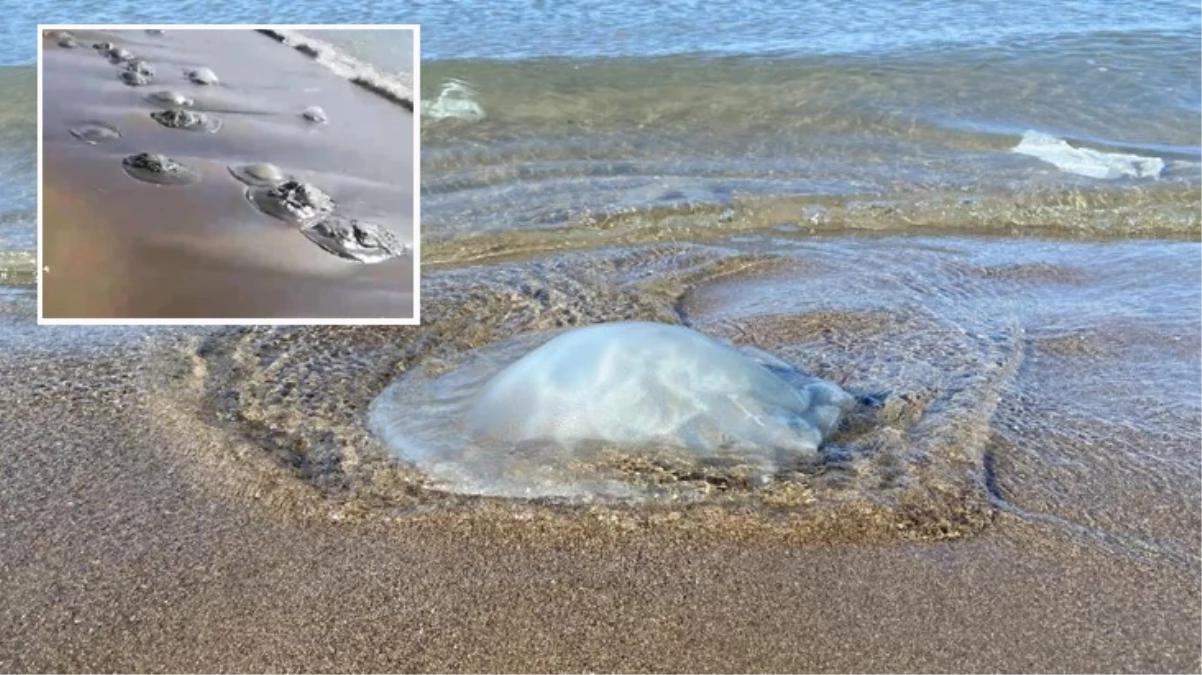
549,421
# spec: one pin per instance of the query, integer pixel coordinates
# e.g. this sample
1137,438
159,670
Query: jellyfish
516,421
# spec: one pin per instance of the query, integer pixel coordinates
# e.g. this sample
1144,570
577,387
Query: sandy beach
121,248
145,533
118,559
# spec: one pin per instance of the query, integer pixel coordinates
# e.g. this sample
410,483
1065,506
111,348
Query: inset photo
228,174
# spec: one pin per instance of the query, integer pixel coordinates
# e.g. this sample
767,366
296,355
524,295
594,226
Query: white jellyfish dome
522,422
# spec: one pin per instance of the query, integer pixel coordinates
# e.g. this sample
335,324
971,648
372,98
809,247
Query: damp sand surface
118,247
208,498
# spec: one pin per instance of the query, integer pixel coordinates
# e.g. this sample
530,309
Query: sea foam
1085,161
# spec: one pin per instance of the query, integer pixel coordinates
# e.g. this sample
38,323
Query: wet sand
140,536
120,248
118,559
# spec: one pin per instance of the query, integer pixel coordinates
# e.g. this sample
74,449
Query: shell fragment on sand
158,169
356,240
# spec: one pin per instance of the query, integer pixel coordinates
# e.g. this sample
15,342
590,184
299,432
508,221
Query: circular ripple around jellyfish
356,240
158,169
93,133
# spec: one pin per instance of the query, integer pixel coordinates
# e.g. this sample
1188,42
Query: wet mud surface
244,182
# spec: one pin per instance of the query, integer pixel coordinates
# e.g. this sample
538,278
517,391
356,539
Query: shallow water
1054,381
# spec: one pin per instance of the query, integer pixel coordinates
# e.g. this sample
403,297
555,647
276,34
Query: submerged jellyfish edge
538,417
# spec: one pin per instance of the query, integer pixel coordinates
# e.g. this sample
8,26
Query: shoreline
385,91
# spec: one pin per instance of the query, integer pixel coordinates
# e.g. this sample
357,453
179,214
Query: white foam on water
1085,161
456,100
398,84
